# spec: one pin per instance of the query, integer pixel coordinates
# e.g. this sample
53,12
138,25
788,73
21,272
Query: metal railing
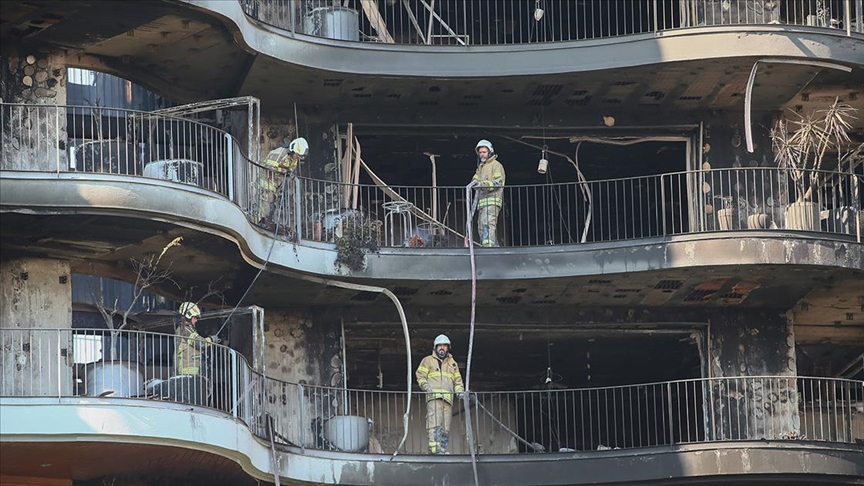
594,211
54,138
69,139
496,22
141,365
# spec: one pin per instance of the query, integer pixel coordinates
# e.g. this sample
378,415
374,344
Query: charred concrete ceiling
662,307
818,296
189,55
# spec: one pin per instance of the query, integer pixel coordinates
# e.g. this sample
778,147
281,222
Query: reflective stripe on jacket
439,378
491,176
190,348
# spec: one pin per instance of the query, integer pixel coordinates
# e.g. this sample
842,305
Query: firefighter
438,375
191,385
281,164
190,344
490,179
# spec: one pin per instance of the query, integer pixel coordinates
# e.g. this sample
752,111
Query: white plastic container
348,433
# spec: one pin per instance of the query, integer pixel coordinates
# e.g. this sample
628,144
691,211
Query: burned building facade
675,292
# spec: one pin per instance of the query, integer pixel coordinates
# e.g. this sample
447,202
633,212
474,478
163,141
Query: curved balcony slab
53,423
697,43
182,205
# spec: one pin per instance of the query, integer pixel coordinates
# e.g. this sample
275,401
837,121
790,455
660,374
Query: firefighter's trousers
487,224
438,413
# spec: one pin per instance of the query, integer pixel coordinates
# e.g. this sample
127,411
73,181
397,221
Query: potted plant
801,147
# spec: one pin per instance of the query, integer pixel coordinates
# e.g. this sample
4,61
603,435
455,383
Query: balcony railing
141,366
496,22
586,212
73,139
116,141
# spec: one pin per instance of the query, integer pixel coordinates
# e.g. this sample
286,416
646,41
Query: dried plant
802,144
359,237
147,274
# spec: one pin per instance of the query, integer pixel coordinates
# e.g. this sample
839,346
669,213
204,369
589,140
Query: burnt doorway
633,186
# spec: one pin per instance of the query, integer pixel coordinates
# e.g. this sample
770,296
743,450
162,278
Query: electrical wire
583,186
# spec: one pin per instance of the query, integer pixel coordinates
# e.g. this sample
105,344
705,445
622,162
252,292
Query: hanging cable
469,232
275,232
584,187
266,259
548,217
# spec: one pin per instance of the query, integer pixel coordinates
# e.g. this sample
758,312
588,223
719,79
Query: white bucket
115,379
348,433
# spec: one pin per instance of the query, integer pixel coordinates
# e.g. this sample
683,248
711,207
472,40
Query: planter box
725,218
803,215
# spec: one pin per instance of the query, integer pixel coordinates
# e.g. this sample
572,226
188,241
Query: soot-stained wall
300,348
304,354
35,295
751,354
34,138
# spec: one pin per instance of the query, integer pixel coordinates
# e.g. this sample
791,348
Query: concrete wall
724,147
751,344
34,77
300,350
34,138
35,294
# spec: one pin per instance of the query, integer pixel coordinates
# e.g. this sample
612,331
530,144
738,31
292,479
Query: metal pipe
344,369
748,96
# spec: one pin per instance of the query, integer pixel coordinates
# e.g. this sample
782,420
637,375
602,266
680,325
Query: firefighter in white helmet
189,343
190,347
490,180
280,166
438,375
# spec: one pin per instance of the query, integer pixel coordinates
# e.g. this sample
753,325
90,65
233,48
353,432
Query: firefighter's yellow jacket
439,378
190,347
280,161
491,176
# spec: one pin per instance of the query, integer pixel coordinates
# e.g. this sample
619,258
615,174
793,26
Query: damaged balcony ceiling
818,296
684,86
190,56
167,48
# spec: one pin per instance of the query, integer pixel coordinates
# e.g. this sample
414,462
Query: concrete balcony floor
74,436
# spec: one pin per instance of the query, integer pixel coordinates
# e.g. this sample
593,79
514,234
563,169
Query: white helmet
441,339
299,146
484,143
189,310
